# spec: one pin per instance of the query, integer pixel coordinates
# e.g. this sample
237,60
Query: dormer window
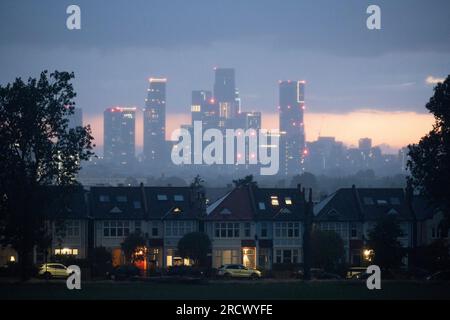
177,210
121,198
274,201
104,198
178,197
288,201
162,197
137,204
382,202
225,211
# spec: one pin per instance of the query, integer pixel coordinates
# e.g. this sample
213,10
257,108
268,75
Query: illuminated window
66,251
177,210
288,200
196,108
274,200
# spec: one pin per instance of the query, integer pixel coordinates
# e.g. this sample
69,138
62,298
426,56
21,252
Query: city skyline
344,127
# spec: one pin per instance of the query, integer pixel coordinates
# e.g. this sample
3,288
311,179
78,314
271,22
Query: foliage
383,240
429,161
131,243
435,256
327,249
246,181
38,149
195,246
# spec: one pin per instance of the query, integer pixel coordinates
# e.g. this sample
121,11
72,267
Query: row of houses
258,227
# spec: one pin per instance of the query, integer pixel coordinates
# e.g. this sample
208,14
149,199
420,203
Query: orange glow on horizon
396,129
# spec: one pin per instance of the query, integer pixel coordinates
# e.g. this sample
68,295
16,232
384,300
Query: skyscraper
292,131
119,135
225,92
155,149
199,104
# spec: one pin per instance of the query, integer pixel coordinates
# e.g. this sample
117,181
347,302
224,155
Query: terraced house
249,225
257,227
353,212
163,215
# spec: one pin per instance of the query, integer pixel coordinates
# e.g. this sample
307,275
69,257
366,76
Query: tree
306,179
195,246
383,240
197,182
435,256
327,249
246,181
37,149
429,161
130,244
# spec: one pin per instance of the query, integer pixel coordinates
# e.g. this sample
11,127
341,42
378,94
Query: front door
249,257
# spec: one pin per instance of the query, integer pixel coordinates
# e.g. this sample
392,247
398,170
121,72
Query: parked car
125,272
440,276
187,271
53,270
238,271
353,271
319,274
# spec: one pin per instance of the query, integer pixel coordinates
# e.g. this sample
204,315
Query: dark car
319,274
440,276
125,272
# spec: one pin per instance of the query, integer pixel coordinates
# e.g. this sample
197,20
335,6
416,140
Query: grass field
260,290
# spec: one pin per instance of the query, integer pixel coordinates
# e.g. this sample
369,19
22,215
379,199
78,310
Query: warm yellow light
12,259
368,253
157,80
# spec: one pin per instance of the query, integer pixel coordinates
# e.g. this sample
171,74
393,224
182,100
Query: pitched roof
235,205
65,202
254,203
368,204
142,203
278,204
117,203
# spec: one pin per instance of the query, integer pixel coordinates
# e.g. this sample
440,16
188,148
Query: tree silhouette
37,149
383,240
327,249
195,245
429,161
246,181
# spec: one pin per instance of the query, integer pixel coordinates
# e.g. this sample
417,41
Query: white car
53,270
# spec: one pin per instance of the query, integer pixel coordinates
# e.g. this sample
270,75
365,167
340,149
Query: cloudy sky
360,82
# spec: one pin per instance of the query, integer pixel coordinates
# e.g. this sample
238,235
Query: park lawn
221,290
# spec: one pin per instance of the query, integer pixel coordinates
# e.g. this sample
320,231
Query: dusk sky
359,82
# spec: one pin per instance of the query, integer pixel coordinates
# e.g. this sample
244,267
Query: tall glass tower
155,122
292,130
